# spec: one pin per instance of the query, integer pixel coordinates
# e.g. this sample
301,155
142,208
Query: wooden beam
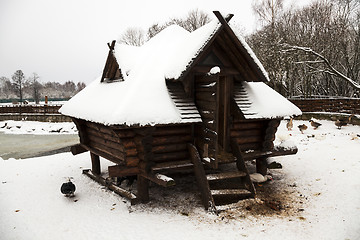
77,149
203,184
160,179
122,171
122,192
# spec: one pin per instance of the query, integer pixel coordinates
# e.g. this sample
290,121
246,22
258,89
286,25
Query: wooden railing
334,105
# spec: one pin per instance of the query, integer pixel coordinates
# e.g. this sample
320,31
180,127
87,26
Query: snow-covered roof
143,97
257,100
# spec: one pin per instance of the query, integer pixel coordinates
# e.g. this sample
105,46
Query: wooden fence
333,105
45,109
40,112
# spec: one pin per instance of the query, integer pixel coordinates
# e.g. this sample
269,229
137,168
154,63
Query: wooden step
255,154
229,196
172,165
225,175
226,192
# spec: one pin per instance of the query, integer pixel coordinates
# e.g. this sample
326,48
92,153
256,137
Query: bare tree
133,36
18,80
328,68
329,28
6,87
35,86
193,20
80,86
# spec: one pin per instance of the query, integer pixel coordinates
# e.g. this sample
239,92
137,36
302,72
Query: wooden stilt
95,163
142,189
261,165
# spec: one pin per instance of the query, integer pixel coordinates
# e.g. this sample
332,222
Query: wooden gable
111,71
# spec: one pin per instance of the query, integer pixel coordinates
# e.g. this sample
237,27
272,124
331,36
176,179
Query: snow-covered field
37,128
318,188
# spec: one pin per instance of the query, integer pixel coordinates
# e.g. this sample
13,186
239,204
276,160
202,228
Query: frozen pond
29,145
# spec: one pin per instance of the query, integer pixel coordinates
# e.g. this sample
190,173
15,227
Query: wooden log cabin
182,100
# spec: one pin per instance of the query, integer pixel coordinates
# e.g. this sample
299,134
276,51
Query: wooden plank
103,154
170,148
203,184
110,151
159,179
240,163
170,156
173,130
122,192
249,139
172,165
222,192
161,140
225,175
246,133
122,171
106,137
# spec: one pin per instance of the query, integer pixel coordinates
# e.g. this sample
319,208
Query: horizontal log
77,149
102,135
103,154
166,157
161,140
245,133
173,130
107,148
182,164
128,143
122,171
169,148
159,179
124,133
105,142
122,192
252,146
248,125
101,128
251,139
132,161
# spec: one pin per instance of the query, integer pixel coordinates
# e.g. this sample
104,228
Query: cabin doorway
212,97
223,112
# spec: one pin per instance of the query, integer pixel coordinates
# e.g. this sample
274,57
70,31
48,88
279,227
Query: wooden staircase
222,187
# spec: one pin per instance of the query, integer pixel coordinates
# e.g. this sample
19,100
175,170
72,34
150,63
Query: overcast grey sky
66,40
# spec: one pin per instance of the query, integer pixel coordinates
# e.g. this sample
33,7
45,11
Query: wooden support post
201,180
261,165
142,189
95,163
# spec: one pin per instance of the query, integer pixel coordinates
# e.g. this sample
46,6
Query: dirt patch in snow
273,198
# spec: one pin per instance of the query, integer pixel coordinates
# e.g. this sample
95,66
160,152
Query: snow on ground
32,127
318,188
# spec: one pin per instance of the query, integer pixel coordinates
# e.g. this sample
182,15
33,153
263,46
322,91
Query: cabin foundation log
122,192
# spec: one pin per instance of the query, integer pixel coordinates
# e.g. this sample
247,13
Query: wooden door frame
224,94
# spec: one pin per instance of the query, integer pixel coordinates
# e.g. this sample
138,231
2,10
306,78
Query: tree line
20,87
309,51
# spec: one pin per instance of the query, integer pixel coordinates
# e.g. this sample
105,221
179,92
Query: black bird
68,189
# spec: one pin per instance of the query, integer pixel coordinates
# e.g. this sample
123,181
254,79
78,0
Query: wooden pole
95,163
142,189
